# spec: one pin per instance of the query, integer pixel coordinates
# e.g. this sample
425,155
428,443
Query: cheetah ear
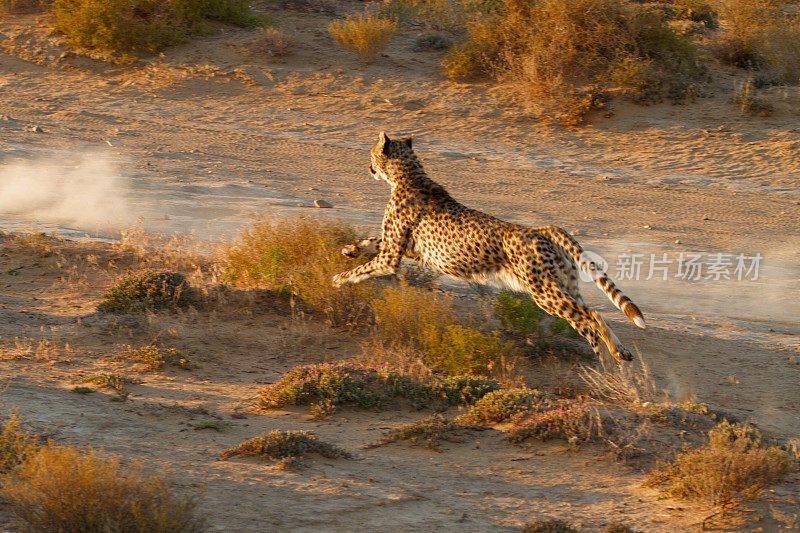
384,140
408,141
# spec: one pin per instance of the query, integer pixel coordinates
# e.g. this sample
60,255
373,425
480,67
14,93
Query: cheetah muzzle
424,223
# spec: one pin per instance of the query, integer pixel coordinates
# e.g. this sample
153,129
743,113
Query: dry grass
298,258
16,444
155,357
411,316
62,488
629,385
272,41
550,51
20,6
758,34
366,35
734,465
748,102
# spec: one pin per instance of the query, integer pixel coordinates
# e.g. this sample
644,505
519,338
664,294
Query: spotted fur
424,223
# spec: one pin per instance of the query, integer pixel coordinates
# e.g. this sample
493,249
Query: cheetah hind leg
582,319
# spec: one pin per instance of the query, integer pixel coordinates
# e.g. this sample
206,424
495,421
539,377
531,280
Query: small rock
313,189
678,241
37,129
648,226
322,204
705,218
7,118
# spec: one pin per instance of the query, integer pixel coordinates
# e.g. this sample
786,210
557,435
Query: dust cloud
88,193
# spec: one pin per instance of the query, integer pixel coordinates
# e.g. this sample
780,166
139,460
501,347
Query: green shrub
735,464
464,350
569,422
62,488
517,312
328,385
462,390
448,15
147,25
507,404
299,257
16,444
151,289
366,35
280,444
432,41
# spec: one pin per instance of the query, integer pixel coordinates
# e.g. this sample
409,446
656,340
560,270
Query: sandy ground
203,137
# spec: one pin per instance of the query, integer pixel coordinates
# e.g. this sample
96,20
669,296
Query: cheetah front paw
340,279
351,250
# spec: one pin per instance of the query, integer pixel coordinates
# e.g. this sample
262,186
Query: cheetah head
389,158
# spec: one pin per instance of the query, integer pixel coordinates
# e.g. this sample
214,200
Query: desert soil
199,140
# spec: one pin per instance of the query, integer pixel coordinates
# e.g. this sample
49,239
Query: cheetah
424,223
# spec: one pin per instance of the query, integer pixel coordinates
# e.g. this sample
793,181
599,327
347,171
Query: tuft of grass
298,257
83,390
16,444
111,381
507,404
432,41
429,431
363,34
548,526
157,357
571,422
280,444
143,25
746,99
326,386
62,488
151,289
734,465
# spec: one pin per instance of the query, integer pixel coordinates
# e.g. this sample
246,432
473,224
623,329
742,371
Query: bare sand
199,140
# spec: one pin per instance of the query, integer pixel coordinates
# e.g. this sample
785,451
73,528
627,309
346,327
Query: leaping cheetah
424,223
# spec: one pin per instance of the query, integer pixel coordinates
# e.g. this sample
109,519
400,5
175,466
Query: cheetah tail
571,246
